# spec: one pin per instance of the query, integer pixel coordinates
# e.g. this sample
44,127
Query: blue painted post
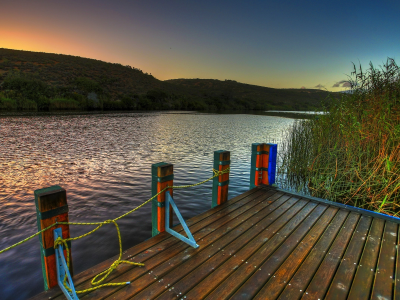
220,183
263,164
270,163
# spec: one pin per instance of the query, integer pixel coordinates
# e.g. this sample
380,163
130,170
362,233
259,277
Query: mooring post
162,175
51,207
263,164
220,183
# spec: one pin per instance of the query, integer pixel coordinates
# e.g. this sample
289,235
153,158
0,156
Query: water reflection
104,163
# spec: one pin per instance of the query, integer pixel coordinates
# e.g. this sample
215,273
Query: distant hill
231,91
46,81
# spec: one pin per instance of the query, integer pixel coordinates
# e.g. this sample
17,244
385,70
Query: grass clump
63,104
351,154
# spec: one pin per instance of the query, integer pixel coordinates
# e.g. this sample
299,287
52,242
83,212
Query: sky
277,44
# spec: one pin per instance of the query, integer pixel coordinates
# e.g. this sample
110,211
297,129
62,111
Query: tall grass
351,154
26,104
63,104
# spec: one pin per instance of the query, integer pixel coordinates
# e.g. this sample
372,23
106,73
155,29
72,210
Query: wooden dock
263,244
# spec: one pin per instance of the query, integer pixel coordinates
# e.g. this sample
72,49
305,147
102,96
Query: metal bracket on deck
190,240
62,269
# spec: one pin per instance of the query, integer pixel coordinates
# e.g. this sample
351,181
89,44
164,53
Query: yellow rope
107,272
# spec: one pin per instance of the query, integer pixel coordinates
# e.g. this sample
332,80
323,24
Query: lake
103,160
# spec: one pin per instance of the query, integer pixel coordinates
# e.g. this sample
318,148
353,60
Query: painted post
263,164
220,183
51,207
162,175
273,149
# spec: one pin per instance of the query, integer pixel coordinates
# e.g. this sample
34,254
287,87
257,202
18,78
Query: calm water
104,162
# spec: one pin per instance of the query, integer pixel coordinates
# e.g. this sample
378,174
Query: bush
145,104
88,85
128,102
112,105
7,104
26,84
64,104
43,103
29,105
156,96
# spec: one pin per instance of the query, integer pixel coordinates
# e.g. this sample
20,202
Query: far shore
283,114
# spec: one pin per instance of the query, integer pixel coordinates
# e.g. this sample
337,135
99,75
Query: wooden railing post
162,175
263,164
220,183
51,207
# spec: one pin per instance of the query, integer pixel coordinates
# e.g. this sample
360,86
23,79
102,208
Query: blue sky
278,44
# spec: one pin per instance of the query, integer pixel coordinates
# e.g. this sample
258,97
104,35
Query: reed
26,104
351,154
63,104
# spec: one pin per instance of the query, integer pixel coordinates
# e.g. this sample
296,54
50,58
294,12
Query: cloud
344,83
303,87
320,86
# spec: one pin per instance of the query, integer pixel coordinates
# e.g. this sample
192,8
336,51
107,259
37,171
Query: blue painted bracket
190,240
62,269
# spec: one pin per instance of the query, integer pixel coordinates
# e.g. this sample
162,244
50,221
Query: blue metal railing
188,240
62,269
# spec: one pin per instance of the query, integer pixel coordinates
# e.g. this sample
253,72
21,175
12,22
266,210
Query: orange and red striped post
51,207
220,183
162,175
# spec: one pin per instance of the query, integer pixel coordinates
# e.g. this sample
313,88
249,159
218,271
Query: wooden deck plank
171,271
251,287
220,218
182,251
322,278
305,273
284,225
341,283
255,237
362,283
325,226
196,223
242,273
263,244
383,285
209,256
87,275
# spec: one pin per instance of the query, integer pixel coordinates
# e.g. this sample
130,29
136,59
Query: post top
222,155
50,198
162,169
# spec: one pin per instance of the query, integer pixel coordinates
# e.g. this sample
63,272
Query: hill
230,92
47,81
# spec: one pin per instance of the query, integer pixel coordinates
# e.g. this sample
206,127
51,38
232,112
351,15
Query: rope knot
58,241
219,173
115,264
